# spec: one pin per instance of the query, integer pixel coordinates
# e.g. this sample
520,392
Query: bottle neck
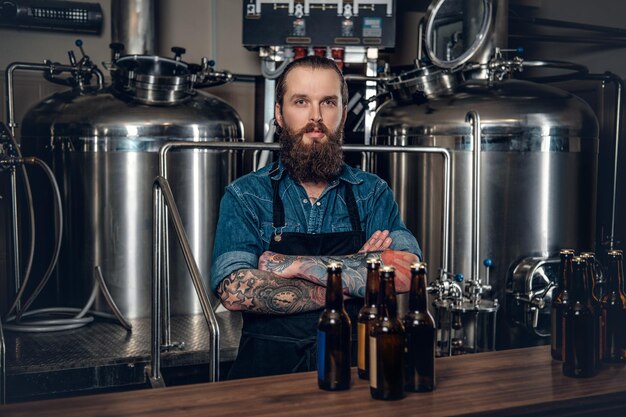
371,287
387,305
589,279
565,273
615,274
334,291
576,289
418,297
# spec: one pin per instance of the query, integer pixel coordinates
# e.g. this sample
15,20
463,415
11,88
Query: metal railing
163,198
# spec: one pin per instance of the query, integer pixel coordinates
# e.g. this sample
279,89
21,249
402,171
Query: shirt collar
348,174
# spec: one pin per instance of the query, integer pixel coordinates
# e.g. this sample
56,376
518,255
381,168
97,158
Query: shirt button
318,203
305,201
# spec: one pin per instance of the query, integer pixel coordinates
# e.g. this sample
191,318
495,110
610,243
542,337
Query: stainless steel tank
538,162
103,146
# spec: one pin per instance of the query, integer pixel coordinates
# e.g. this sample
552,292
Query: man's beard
314,162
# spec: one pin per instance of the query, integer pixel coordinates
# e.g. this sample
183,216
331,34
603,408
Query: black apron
279,344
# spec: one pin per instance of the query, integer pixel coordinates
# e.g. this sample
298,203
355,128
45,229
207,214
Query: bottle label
362,333
373,371
321,353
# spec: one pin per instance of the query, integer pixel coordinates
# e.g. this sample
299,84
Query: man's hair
313,62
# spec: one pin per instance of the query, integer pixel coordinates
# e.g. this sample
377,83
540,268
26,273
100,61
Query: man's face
312,102
311,119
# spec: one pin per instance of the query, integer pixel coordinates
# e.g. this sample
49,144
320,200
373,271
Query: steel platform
103,356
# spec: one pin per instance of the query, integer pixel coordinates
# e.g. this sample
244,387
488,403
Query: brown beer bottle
579,327
367,315
333,336
387,343
559,304
591,277
420,334
614,310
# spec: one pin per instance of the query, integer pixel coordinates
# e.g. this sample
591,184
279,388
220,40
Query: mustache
311,126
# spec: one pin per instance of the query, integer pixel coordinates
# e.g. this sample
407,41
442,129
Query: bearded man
279,227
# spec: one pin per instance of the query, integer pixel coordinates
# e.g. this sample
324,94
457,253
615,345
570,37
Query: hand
379,241
402,262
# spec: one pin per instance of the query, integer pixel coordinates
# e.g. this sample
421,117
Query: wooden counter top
513,382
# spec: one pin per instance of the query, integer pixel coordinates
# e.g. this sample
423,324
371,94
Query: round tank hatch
456,30
152,79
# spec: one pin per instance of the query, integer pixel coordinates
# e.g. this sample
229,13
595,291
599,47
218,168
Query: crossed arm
286,284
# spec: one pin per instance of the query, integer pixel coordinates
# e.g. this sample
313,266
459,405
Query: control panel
338,23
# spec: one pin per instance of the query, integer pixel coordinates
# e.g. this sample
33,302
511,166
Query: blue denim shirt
245,225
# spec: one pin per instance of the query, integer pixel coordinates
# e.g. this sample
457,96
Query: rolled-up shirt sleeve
386,216
237,240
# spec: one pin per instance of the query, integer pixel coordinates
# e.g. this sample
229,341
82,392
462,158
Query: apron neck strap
353,211
278,212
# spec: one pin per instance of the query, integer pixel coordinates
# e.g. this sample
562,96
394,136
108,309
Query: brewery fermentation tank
537,162
103,147
538,172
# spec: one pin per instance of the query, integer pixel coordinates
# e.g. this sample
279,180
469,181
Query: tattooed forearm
264,292
313,269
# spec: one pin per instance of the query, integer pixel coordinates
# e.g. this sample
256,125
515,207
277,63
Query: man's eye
299,102
330,102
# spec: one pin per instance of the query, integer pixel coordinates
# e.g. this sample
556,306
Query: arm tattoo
313,269
264,292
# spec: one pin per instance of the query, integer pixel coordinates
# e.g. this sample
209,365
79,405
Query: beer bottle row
394,355
587,327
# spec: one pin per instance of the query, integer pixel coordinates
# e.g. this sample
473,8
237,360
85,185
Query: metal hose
58,227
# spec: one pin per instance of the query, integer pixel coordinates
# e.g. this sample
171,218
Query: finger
386,243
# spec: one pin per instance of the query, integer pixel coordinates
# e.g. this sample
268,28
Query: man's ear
344,116
278,116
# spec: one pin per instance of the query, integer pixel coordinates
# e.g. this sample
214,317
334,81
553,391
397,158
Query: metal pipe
157,244
133,23
618,104
347,148
16,240
166,193
8,84
165,271
596,40
570,25
420,41
619,82
161,189
473,118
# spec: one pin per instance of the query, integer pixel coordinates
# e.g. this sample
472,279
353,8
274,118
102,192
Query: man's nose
316,114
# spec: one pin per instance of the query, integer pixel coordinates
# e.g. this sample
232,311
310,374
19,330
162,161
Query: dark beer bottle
387,343
367,315
591,278
333,336
559,304
579,327
420,335
614,310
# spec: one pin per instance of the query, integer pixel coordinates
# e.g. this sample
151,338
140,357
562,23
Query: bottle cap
373,263
417,266
334,267
388,270
566,251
